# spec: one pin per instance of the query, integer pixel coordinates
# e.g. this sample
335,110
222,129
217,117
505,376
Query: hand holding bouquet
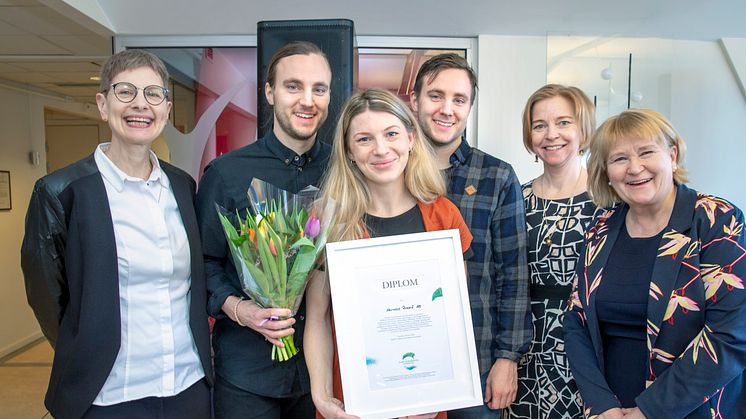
275,247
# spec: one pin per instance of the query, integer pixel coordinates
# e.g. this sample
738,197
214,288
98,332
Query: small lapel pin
470,190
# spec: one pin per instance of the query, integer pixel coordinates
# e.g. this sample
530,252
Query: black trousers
232,402
192,403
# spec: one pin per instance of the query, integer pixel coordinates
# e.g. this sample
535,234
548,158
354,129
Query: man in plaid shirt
487,192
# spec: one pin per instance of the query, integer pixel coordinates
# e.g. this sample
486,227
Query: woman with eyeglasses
113,265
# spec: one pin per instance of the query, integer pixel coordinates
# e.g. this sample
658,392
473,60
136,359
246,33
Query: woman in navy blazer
113,265
657,324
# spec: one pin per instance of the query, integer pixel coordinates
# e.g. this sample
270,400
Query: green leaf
238,241
230,231
280,224
263,283
282,269
438,293
267,260
303,241
304,261
296,284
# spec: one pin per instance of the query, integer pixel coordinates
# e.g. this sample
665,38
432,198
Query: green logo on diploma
408,361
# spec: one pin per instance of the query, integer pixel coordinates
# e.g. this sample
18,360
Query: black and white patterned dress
555,233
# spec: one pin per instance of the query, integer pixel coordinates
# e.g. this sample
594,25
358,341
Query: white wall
22,119
735,50
707,107
510,69
17,323
709,111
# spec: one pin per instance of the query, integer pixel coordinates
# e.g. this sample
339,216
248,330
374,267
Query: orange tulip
272,248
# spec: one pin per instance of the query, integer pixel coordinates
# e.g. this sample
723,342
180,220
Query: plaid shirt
487,192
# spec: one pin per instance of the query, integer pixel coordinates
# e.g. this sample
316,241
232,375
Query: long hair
584,112
345,184
632,123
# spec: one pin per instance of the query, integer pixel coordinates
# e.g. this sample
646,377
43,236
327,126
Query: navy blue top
622,306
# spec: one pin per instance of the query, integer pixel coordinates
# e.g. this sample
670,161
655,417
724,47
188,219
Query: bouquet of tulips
275,247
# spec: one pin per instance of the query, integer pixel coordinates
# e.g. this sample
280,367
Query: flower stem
284,354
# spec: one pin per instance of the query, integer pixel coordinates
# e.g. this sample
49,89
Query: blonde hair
345,184
585,112
630,124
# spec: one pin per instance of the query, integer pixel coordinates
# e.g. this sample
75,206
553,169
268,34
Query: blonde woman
558,122
657,326
385,181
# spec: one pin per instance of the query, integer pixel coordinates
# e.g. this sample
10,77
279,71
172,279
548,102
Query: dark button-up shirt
487,192
242,356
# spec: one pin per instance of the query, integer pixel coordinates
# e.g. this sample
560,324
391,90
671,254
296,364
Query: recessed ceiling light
95,78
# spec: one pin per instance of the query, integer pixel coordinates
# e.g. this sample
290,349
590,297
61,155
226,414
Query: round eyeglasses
126,93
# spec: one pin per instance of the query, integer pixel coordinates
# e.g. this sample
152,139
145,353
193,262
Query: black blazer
69,262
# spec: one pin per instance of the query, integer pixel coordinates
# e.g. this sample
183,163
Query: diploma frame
441,249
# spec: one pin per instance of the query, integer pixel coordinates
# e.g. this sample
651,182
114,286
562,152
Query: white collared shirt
157,356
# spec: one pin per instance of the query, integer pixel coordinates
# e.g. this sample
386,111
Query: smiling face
300,97
641,171
555,134
137,122
442,106
379,145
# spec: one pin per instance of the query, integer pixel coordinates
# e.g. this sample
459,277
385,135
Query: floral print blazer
696,324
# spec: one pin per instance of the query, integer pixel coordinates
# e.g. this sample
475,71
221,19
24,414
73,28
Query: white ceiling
45,51
56,45
680,19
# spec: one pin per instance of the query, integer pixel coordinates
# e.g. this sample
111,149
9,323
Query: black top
242,356
409,222
622,306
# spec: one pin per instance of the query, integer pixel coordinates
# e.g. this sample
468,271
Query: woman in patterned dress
558,122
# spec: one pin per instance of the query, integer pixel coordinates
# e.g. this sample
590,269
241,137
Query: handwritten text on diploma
406,338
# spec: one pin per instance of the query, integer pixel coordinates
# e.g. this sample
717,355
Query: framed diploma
403,325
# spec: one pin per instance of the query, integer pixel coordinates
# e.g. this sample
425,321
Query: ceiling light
95,78
607,73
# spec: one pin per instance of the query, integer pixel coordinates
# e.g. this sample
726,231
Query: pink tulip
313,227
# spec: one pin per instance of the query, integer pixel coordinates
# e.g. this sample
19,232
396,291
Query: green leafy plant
274,249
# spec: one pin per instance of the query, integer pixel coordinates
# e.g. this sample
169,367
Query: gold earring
581,152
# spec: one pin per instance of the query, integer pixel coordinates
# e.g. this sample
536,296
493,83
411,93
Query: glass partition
616,73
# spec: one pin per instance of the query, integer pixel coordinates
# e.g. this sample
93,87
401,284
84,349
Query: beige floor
23,381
